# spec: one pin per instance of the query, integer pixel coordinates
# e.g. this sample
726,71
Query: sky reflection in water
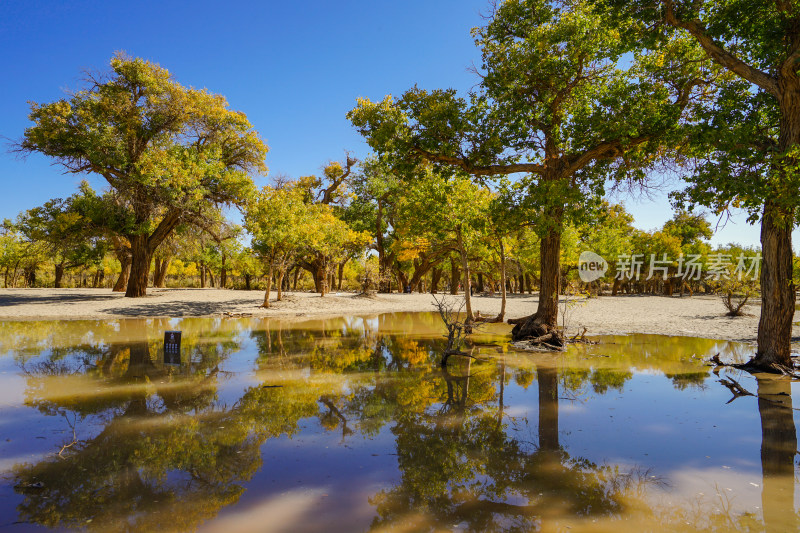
349,425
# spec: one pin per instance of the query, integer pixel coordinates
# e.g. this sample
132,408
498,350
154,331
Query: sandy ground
698,316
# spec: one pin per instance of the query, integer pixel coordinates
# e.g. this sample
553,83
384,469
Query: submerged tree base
536,334
754,366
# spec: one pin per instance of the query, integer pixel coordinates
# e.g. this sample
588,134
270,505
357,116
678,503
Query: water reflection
505,442
778,448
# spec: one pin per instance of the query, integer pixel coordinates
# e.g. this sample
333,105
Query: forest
577,106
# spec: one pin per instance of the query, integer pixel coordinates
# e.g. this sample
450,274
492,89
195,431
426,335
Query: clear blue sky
295,69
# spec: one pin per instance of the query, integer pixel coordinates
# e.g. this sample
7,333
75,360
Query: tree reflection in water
161,450
778,449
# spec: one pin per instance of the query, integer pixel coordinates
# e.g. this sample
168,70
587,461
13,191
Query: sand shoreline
696,316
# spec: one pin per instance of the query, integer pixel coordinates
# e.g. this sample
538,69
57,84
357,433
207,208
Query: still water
350,425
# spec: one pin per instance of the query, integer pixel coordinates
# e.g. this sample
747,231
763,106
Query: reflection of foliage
156,448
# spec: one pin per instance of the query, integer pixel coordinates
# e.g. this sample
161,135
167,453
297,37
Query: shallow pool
350,425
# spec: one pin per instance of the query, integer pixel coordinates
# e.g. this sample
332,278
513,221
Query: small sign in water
172,347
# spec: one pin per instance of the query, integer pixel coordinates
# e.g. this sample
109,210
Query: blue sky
294,68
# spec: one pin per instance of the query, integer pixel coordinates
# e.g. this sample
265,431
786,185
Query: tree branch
720,54
480,170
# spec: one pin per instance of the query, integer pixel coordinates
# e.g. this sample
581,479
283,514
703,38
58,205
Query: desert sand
696,316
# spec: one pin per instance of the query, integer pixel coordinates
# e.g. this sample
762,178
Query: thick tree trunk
59,275
777,291
223,274
247,281
341,275
140,267
436,276
202,275
550,247
778,448
777,286
454,275
545,320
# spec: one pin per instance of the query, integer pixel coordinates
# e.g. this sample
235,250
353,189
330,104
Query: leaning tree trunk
160,274
124,274
436,275
140,267
279,283
269,287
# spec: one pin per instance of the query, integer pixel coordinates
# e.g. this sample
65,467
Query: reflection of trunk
548,408
777,290
778,447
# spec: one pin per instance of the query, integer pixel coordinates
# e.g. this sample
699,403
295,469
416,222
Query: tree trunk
777,291
777,286
124,273
59,275
281,274
140,267
454,275
269,287
545,320
247,281
296,277
502,314
341,274
202,275
467,280
550,247
160,274
223,274
436,275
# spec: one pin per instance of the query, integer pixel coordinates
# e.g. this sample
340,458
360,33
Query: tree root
752,367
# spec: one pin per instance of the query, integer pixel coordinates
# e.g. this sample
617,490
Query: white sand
696,316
